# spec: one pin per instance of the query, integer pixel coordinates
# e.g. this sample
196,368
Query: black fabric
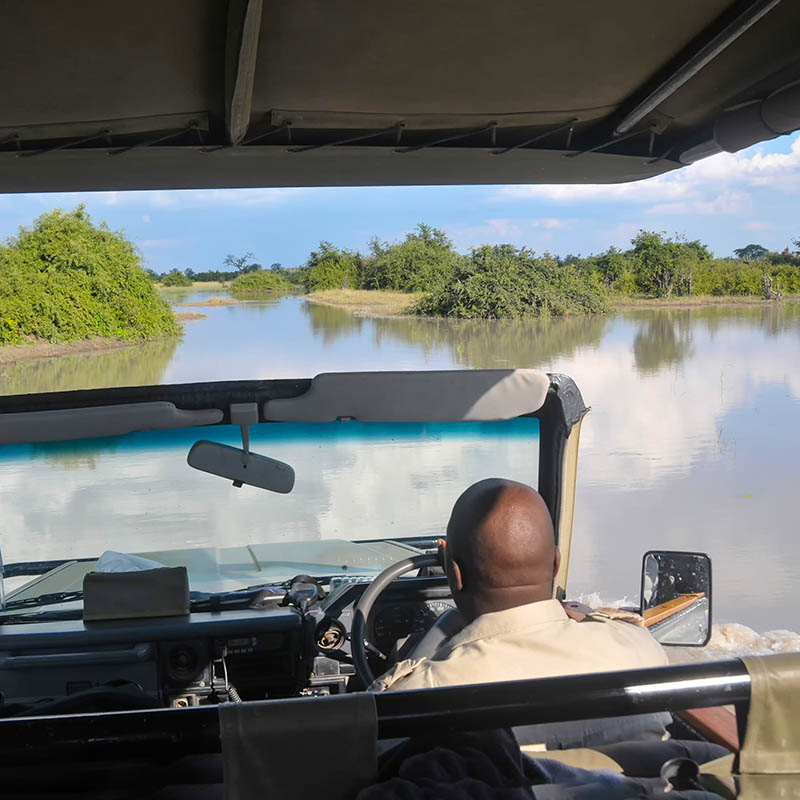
644,759
594,732
489,764
474,766
310,747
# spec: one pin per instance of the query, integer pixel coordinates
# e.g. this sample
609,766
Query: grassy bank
30,351
369,302
211,302
186,316
697,301
199,285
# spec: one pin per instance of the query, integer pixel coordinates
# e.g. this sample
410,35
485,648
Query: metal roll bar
403,713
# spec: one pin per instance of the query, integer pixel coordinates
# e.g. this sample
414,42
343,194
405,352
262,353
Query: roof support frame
694,60
244,26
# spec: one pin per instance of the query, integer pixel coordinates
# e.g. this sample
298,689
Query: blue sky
726,201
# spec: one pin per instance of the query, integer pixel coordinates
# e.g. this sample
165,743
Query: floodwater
693,441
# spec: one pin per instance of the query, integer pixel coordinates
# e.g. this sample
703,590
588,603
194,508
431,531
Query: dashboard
63,666
393,623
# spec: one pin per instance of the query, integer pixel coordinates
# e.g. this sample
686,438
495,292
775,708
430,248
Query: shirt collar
509,621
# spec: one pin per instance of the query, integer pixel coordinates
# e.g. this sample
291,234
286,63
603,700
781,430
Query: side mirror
676,597
241,467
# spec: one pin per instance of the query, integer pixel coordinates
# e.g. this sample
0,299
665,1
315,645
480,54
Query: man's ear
556,562
454,576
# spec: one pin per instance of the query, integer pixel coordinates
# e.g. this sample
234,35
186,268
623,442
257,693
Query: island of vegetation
425,275
65,279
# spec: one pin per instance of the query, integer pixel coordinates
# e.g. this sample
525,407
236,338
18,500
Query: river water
693,441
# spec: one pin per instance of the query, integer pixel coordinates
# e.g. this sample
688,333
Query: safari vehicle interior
130,672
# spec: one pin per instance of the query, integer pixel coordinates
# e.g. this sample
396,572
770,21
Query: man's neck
490,600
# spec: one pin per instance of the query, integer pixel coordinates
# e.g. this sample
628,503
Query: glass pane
354,481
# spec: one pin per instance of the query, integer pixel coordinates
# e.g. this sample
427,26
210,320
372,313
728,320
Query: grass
695,300
185,316
33,349
212,301
195,285
370,302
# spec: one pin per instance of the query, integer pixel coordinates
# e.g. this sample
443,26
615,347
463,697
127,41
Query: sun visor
435,396
98,421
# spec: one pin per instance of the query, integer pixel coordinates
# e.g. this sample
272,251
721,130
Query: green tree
502,281
751,252
612,265
176,278
241,264
331,268
663,265
66,278
424,260
259,282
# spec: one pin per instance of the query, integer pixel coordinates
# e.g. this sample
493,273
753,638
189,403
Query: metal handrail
403,713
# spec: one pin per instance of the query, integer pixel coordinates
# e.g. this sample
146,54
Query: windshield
354,481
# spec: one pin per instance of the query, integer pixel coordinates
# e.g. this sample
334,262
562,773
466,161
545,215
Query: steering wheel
444,626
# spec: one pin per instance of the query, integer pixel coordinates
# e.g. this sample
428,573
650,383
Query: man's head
500,549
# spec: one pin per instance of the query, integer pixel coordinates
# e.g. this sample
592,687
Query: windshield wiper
44,600
251,597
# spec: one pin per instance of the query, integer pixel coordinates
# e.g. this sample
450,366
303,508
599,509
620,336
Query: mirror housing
676,597
241,467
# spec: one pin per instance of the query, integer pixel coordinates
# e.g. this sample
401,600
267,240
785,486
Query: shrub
501,281
331,268
176,278
65,278
259,282
424,261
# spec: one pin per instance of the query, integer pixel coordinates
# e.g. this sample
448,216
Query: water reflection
664,339
477,344
331,323
135,365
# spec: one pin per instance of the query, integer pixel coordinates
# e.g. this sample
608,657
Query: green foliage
751,252
502,281
423,261
613,266
295,275
663,266
331,268
65,278
241,264
176,278
259,282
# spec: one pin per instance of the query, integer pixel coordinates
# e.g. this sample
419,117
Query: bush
424,261
65,278
176,278
331,268
501,281
259,282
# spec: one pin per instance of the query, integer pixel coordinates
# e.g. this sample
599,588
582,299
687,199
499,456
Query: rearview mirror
676,597
241,467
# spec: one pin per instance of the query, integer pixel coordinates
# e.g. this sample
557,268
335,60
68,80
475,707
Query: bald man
501,561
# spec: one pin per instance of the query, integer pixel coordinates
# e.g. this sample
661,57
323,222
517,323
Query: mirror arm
244,415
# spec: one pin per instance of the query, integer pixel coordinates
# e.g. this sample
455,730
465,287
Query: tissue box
160,592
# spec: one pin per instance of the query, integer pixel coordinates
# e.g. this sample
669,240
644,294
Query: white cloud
733,202
536,232
208,198
757,225
179,199
146,218
670,208
702,183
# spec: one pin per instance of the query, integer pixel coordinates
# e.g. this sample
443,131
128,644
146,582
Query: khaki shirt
537,640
